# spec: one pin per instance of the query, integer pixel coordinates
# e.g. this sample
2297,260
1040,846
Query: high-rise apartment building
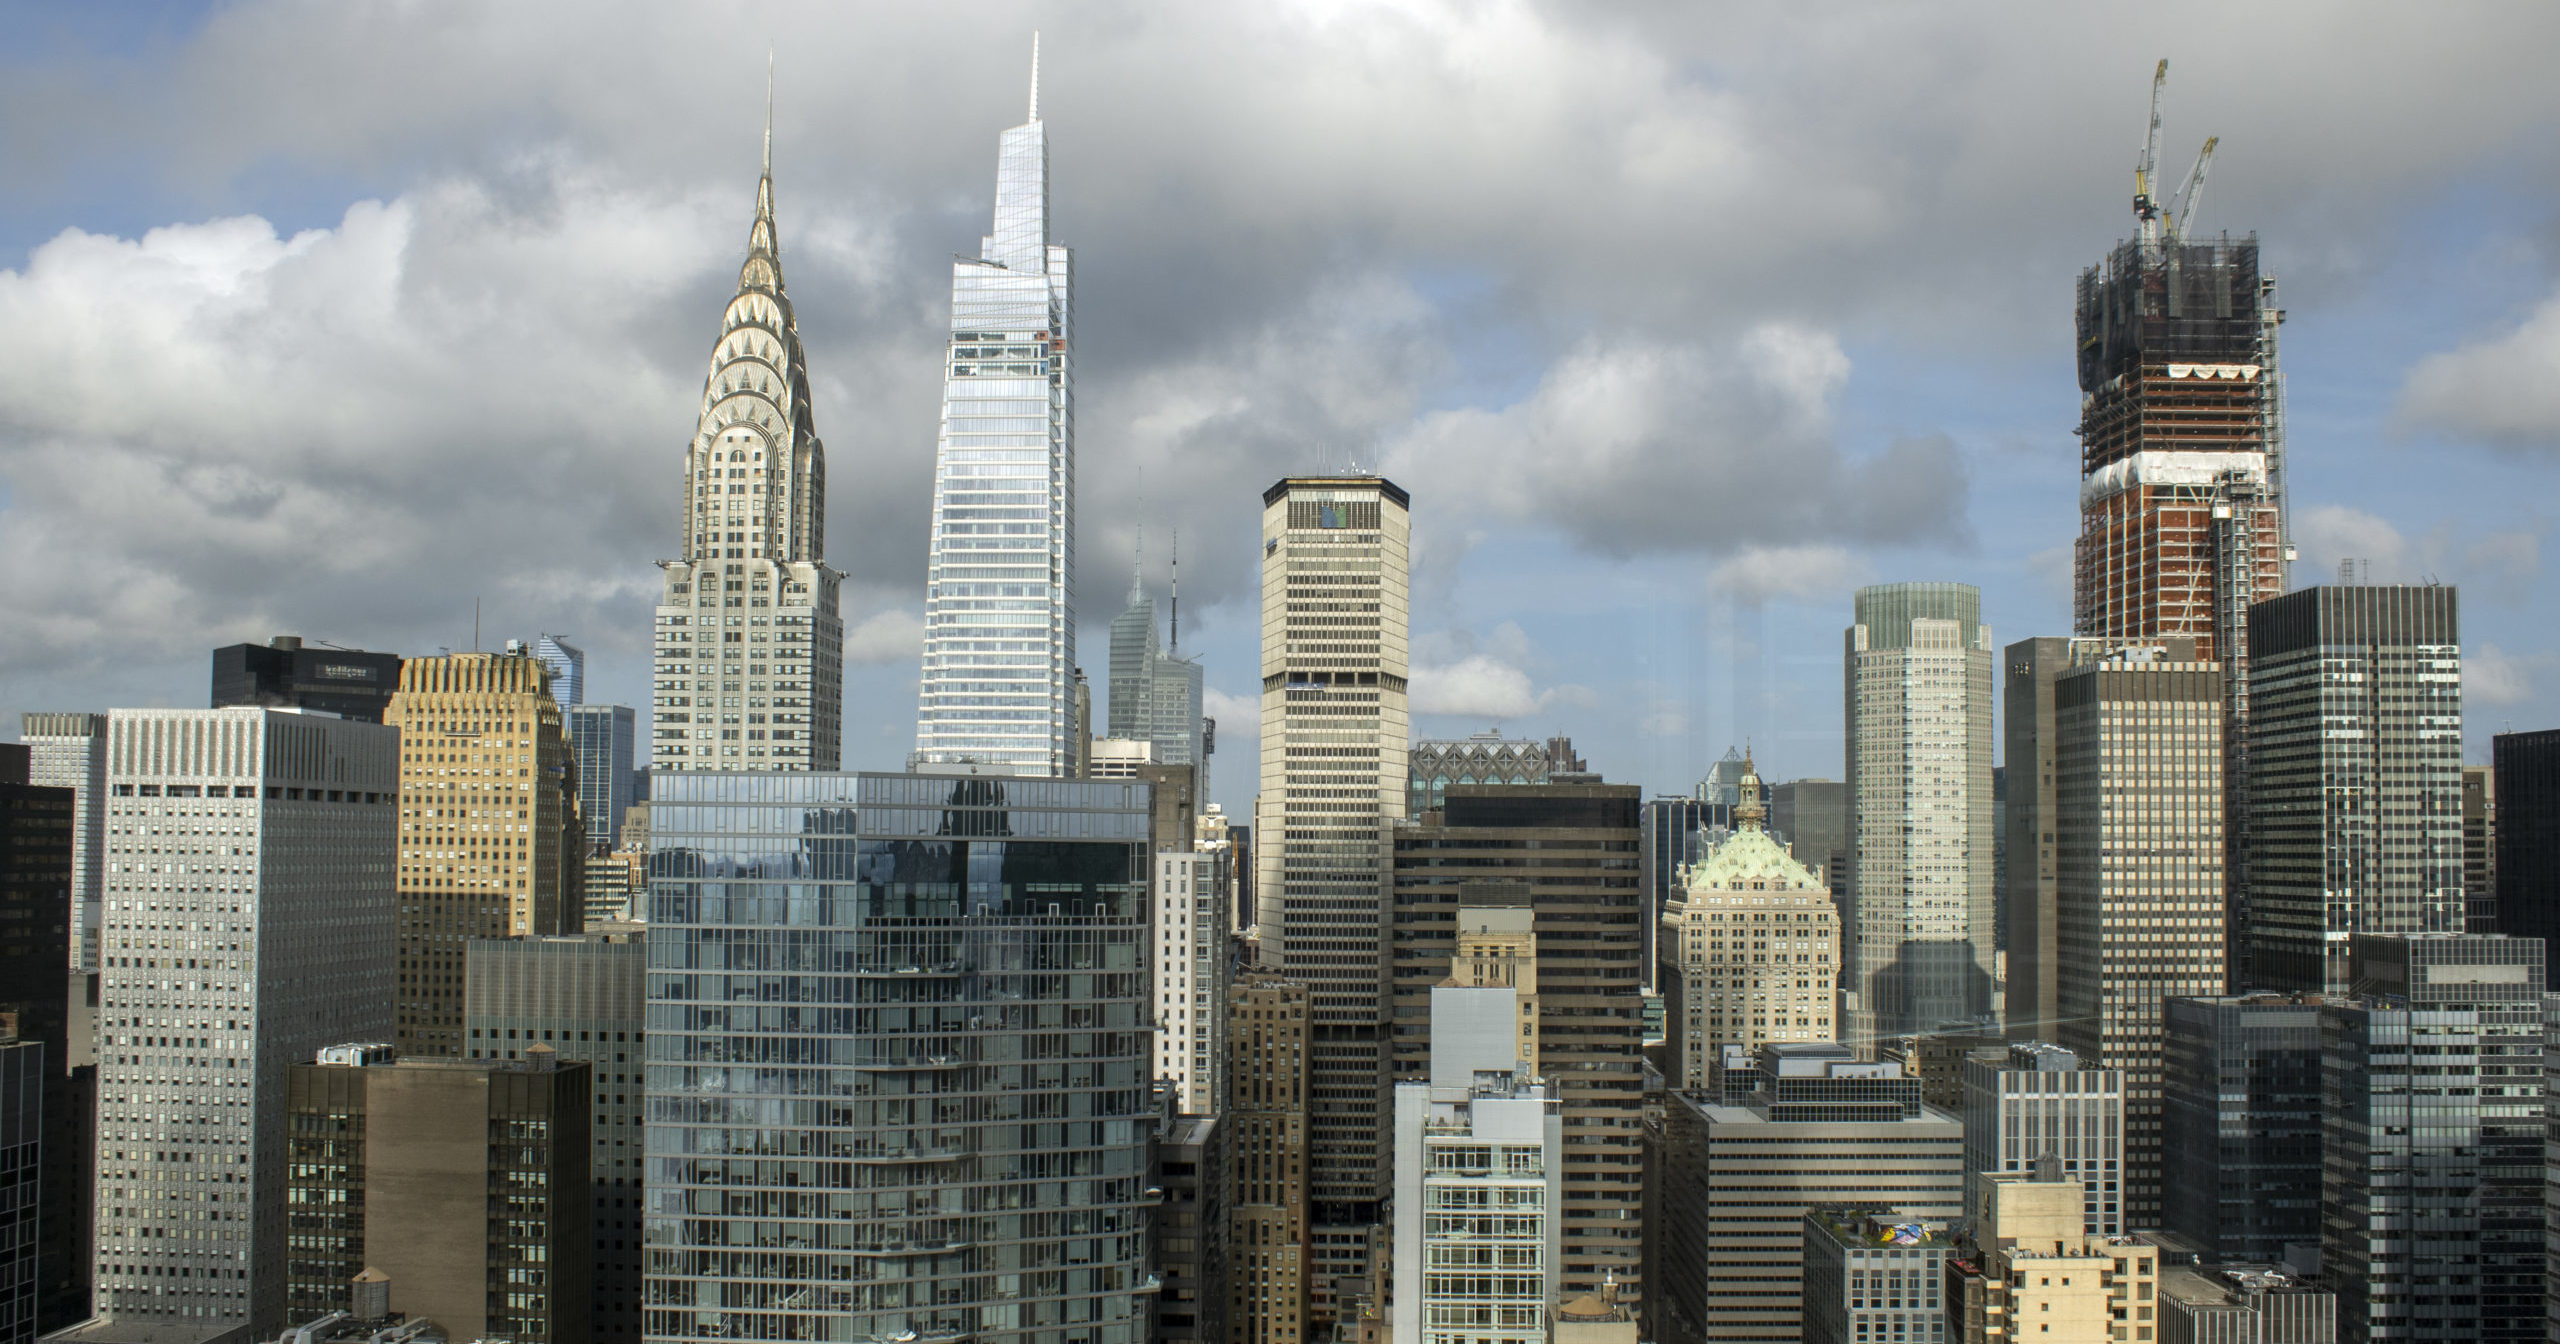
2432,1196
69,751
568,664
1919,937
2356,778
282,674
490,841
251,918
951,1035
1336,567
602,738
1266,1129
750,627
2525,774
1750,949
1549,871
1000,573
462,1180
2240,1116
2138,855
2035,1101
1484,758
581,998
1189,990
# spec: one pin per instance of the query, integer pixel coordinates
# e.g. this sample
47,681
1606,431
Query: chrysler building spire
750,643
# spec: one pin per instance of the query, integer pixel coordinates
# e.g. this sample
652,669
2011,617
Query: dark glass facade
2240,1111
2526,783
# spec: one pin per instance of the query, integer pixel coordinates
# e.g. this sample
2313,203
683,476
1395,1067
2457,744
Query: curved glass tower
1000,621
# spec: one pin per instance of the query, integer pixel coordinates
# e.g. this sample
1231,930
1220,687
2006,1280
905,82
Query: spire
1035,75
763,269
1138,567
1175,643
768,113
1748,811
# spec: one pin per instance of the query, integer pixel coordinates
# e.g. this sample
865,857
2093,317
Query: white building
2038,1101
69,751
1750,946
1190,974
1000,571
249,921
1479,1183
750,637
1919,939
1118,757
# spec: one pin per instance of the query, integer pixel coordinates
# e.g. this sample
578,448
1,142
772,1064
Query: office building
69,751
251,918
2432,1210
1479,1180
2356,778
1870,1276
1751,949
460,1180
1811,818
1918,939
23,1132
974,940
282,674
2033,1101
601,737
1190,1232
39,863
1192,954
581,998
1721,783
491,845
1809,1125
2243,1304
2138,815
2027,1258
2525,779
1552,868
1155,693
1266,1127
750,626
1672,833
1000,576
1117,757
568,664
2551,1157
2479,849
1336,557
2240,1117
1484,758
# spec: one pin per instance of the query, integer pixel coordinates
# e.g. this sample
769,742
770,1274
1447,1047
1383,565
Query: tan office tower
2138,858
750,636
1335,558
491,844
1751,948
1265,1130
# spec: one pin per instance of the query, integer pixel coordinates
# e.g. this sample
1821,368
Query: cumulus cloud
1795,573
892,636
2492,676
1239,717
2504,564
2502,390
1456,672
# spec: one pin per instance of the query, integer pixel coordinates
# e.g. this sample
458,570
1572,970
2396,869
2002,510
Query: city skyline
1657,639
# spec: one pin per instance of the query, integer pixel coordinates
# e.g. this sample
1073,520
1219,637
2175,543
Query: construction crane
2190,197
2146,206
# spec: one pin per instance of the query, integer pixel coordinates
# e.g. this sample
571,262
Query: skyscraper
69,751
2240,1109
750,637
602,737
1336,557
568,664
490,842
2479,849
1750,948
43,1284
1918,940
1000,573
2526,782
1266,1126
2356,783
1156,694
2036,1102
250,920
282,674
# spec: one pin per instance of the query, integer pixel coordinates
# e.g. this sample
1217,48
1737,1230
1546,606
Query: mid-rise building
602,739
1336,567
2356,778
2240,1126
1547,872
1265,1123
1000,574
2525,778
491,845
1751,949
1814,1127
69,751
1189,993
2243,1304
750,626
282,674
462,1181
1872,1276
568,664
2034,1101
1479,1181
951,1033
582,999
251,918
1117,757
2027,1258
1918,940
1191,1232
1484,758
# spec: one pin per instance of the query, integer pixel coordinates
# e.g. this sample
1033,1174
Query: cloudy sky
1679,322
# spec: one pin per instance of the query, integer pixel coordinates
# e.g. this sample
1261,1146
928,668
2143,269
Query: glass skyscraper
1000,619
898,1059
603,738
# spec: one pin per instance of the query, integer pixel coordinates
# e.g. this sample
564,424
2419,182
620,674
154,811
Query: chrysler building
750,666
